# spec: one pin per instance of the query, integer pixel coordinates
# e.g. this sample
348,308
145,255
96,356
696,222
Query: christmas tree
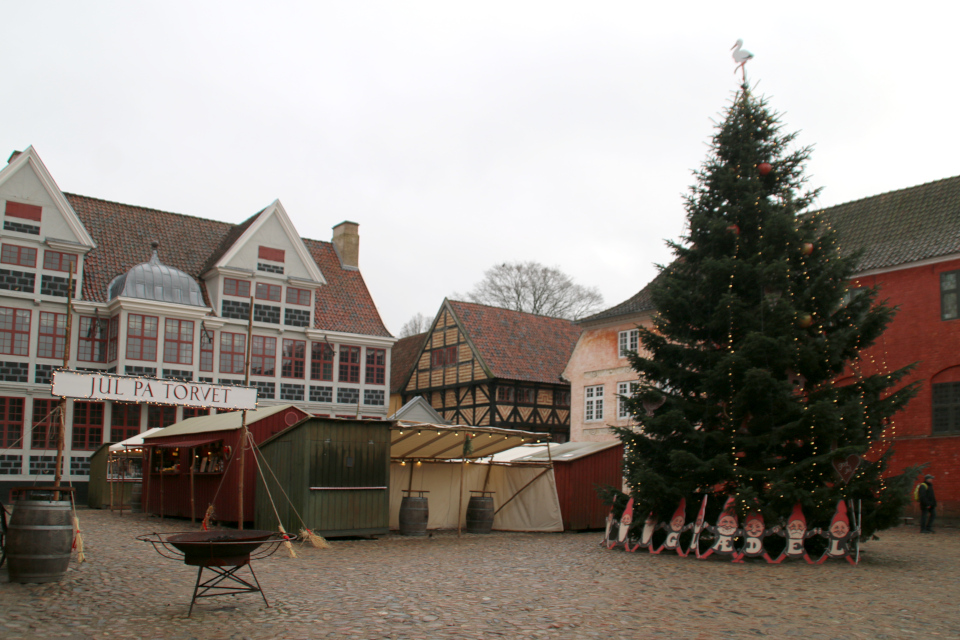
750,384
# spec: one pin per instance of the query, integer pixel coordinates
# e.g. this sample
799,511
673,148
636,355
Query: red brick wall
917,334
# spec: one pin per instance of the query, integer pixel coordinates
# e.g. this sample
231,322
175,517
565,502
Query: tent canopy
429,441
135,441
569,451
218,422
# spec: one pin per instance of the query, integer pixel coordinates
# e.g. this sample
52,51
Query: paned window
52,335
195,412
112,338
234,287
561,398
124,421
206,350
321,361
59,261
178,341
11,423
263,356
506,394
946,407
298,296
92,346
628,341
625,391
20,256
593,403
87,425
349,364
443,356
233,352
376,366
46,424
142,337
14,331
268,291
159,417
526,395
949,295
294,358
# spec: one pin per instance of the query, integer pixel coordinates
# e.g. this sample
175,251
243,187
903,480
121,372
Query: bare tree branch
535,288
417,324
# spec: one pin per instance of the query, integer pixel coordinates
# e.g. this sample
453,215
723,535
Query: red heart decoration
847,467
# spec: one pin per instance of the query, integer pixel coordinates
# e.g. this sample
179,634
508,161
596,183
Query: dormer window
20,256
268,292
58,261
234,287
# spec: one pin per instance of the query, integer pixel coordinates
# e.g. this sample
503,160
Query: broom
207,517
78,540
314,540
286,542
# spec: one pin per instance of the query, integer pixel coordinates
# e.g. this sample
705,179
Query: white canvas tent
431,457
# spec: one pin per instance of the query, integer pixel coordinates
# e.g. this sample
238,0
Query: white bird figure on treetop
741,56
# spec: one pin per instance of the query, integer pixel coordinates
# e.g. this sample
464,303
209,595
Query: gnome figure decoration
697,528
840,535
754,533
674,528
606,533
646,534
796,532
625,521
725,531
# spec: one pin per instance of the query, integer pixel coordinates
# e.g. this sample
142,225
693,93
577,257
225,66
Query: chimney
13,156
346,240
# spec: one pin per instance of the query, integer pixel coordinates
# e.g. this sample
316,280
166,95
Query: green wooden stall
333,472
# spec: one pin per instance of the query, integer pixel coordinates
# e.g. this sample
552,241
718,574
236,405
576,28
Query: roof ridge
902,190
137,206
526,313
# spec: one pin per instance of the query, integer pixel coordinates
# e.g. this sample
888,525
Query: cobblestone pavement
504,585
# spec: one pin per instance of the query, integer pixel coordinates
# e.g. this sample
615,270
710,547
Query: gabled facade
165,295
486,366
599,371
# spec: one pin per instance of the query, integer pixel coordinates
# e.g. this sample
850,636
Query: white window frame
628,341
593,403
625,390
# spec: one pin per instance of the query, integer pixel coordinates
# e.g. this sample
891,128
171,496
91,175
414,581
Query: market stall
449,465
116,474
194,464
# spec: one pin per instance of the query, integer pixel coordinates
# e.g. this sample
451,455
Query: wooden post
62,432
243,421
463,463
193,509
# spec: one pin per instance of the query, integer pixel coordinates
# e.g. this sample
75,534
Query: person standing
928,504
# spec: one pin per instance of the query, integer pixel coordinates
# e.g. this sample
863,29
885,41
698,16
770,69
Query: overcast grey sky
460,135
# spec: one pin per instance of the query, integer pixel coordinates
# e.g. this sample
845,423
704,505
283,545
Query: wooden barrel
414,513
480,514
39,538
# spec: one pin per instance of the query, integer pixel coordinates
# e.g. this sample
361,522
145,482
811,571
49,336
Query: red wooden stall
579,468
193,463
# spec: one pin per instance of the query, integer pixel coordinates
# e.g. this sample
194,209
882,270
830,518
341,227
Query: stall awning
186,442
428,441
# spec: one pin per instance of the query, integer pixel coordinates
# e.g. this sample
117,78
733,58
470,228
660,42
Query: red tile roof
123,234
345,303
517,345
403,358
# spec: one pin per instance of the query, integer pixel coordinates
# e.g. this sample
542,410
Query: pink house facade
599,370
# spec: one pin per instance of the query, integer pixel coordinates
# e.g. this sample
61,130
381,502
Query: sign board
107,386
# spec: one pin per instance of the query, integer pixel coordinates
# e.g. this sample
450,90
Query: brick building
169,296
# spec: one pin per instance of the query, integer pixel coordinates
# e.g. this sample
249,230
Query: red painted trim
274,255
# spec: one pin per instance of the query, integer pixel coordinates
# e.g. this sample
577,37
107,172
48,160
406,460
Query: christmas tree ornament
804,320
734,229
806,248
741,57
764,168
